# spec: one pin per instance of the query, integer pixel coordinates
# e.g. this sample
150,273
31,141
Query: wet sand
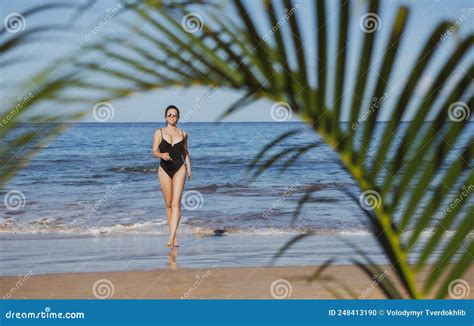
198,283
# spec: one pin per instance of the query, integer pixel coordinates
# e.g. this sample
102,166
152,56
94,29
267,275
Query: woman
170,145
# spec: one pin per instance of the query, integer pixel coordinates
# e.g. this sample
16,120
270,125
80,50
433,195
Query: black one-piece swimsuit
176,153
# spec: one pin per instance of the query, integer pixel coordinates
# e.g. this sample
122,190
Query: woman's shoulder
185,134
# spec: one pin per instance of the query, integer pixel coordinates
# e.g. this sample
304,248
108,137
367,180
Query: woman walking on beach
170,145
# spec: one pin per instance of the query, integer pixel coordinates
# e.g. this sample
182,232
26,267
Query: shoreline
143,252
288,282
140,252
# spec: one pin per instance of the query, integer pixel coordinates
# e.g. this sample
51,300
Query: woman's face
172,116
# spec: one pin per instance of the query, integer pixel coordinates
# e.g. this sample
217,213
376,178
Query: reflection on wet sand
172,258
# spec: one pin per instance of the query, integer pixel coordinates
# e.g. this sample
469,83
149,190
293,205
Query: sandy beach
193,283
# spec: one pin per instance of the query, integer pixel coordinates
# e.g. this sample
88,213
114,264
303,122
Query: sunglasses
169,115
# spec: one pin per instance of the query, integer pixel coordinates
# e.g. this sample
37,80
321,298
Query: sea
90,200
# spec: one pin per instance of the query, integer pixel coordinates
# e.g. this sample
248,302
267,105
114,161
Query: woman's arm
156,142
186,155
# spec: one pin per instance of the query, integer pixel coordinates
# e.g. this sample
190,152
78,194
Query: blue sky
148,107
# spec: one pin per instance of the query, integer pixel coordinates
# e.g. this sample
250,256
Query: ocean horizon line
194,122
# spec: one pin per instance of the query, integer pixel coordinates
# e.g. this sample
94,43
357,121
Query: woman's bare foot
176,243
172,258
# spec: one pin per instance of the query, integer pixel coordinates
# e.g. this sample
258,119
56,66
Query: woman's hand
190,174
166,156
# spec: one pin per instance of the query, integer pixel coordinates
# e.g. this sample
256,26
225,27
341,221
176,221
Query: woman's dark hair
169,108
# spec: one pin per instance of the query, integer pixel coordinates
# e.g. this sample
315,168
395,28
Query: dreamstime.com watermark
377,279
459,111
281,289
370,22
459,289
455,26
370,200
280,200
14,200
192,22
21,280
108,194
199,280
281,111
109,14
14,23
465,191
199,102
288,13
21,103
103,111
377,103
103,289
46,314
192,200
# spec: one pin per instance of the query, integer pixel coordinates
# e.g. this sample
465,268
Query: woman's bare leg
177,185
167,190
172,258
